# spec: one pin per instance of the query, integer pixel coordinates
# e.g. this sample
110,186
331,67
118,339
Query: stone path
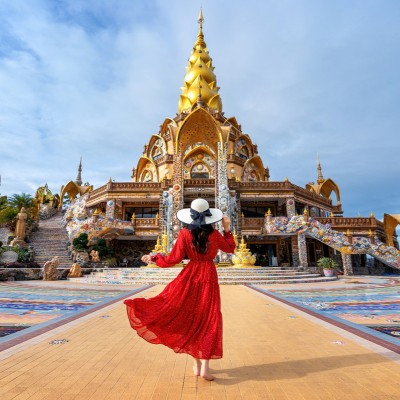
268,354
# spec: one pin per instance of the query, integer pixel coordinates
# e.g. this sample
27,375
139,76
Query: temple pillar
347,264
110,209
295,252
177,196
221,180
290,208
303,258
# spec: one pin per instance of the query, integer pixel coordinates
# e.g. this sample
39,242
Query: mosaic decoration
251,173
303,259
242,149
337,240
199,165
177,194
77,221
24,306
370,302
167,215
222,184
157,149
290,208
110,209
149,173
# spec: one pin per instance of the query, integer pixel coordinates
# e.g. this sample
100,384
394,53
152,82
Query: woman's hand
146,258
226,223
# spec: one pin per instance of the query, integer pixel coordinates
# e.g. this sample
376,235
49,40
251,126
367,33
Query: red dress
186,315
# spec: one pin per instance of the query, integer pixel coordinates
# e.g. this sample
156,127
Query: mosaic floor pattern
24,306
369,302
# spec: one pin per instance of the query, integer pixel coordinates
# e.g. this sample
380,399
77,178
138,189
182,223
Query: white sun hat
199,214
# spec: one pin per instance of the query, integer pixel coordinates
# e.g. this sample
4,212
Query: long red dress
186,315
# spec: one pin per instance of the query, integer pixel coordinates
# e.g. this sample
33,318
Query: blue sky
97,78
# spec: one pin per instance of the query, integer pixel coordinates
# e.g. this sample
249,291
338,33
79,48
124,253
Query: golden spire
200,81
320,177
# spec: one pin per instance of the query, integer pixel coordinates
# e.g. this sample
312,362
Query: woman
186,315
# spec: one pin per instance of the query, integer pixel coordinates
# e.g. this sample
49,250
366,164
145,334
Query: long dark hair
200,238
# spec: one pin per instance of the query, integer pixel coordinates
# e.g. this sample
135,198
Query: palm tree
20,200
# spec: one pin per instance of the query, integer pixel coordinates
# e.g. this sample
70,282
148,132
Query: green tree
20,200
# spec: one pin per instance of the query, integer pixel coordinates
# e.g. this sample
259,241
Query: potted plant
328,265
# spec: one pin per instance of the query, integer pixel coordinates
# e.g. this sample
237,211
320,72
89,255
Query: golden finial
96,211
332,215
133,217
286,179
372,215
242,215
370,233
269,211
157,216
305,212
200,69
110,180
348,232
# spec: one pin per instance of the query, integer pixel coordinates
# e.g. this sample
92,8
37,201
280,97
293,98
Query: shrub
80,242
23,254
327,263
102,248
110,262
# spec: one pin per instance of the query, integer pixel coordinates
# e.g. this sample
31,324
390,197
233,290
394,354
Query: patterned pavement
26,307
371,304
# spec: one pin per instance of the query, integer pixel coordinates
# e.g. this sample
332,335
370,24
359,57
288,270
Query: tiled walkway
272,351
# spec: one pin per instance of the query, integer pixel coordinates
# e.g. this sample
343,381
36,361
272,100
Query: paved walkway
272,351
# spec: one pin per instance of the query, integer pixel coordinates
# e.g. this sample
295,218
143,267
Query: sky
95,78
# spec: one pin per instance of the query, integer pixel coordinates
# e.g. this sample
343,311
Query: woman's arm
226,243
177,254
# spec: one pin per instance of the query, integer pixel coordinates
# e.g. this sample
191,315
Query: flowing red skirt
186,315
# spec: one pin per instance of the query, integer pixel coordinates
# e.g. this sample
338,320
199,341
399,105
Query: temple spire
79,176
320,176
200,80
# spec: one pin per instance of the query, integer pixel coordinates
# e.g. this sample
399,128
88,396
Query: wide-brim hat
199,214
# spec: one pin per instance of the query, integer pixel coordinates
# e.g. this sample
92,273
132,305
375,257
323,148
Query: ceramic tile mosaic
370,302
23,306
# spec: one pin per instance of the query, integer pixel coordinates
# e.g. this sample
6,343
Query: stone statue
50,271
75,271
95,256
21,224
20,229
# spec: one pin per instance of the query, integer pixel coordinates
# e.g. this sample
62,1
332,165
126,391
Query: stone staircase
51,240
226,276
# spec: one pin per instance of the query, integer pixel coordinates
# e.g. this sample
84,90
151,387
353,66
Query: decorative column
347,264
177,195
303,259
290,208
110,209
167,215
221,181
295,251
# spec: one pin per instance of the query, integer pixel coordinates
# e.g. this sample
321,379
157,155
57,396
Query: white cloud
96,78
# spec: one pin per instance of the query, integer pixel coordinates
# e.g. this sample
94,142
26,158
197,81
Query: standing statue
21,224
50,271
20,229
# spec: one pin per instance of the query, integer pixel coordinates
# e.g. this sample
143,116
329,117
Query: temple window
257,211
200,170
314,212
140,212
147,176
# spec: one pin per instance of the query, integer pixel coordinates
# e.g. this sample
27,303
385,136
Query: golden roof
200,82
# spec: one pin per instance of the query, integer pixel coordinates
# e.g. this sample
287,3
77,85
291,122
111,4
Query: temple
201,152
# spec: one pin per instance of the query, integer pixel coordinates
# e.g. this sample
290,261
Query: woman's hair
200,238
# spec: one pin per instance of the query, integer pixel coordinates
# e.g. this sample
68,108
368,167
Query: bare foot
196,367
208,377
205,371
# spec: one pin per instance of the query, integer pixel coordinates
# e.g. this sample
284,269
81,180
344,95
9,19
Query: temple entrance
265,254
